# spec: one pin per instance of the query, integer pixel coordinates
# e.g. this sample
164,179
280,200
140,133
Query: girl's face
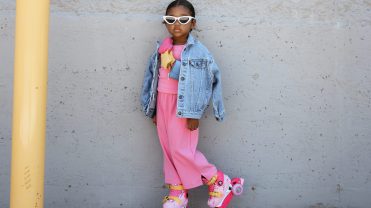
179,31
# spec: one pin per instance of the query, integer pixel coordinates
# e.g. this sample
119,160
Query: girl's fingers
192,124
189,126
192,127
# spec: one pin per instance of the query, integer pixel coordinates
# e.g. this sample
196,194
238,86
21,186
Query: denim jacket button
182,78
179,113
180,96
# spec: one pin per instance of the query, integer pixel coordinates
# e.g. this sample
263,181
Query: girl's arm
147,81
218,106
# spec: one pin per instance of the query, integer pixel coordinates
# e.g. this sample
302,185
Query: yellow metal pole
29,104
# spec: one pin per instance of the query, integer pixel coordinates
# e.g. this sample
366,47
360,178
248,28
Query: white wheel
237,189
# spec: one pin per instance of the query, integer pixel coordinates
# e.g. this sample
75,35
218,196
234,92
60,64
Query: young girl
179,81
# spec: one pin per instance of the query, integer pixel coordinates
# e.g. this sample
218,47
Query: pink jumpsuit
183,163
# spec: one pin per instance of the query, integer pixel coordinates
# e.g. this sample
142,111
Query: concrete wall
297,91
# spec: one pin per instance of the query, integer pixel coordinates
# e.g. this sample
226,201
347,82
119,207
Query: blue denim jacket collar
190,40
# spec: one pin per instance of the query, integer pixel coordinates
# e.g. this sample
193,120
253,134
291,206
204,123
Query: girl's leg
170,173
178,196
189,163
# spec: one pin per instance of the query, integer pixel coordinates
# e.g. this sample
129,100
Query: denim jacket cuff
220,117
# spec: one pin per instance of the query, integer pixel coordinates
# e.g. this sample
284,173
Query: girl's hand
192,124
154,120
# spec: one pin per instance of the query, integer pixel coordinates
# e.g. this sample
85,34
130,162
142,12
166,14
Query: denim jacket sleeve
147,81
217,98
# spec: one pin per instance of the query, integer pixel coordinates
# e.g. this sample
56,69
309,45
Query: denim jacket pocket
200,84
198,63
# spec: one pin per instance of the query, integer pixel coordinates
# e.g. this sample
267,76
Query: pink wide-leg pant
183,163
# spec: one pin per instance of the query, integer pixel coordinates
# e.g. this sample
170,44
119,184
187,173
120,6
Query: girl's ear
193,24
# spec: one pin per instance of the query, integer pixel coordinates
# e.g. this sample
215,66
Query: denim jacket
199,81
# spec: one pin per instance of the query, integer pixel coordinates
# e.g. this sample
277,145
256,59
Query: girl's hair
184,3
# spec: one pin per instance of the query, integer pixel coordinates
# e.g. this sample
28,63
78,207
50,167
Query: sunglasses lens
170,20
184,20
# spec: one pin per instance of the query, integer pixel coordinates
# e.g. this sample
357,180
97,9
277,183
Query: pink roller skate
222,189
178,197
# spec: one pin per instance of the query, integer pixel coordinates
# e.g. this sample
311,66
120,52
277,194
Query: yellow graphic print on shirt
167,59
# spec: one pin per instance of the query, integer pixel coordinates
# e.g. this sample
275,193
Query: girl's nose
177,22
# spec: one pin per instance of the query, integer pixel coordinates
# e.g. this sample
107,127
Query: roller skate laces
177,198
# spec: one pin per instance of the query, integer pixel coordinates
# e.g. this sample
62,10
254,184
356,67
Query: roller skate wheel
237,189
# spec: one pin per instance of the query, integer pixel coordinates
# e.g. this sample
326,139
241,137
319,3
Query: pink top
165,83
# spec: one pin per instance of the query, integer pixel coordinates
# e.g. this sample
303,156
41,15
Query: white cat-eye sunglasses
182,19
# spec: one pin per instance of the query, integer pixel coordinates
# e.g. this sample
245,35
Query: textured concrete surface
297,91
